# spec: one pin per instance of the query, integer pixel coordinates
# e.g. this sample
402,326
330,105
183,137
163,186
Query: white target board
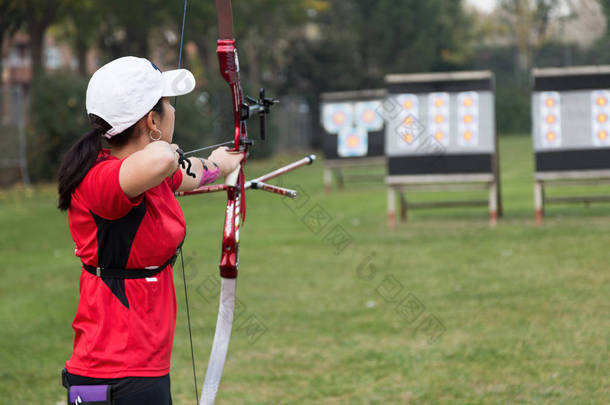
408,130
550,119
353,142
600,118
354,125
438,117
571,119
468,118
337,116
367,116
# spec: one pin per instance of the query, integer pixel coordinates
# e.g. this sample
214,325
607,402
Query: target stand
354,135
440,136
571,132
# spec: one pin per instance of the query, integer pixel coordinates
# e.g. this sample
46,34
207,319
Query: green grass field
336,309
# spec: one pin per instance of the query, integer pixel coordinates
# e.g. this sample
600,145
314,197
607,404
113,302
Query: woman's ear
151,125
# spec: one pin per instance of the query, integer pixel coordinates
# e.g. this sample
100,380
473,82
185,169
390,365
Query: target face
353,142
408,128
368,117
409,103
337,116
468,119
550,119
438,117
600,118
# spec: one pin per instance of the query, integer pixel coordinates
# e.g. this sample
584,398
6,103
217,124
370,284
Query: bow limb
222,336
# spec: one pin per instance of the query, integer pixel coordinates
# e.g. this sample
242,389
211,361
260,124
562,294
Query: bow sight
262,107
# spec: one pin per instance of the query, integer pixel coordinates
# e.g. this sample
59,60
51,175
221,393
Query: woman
127,227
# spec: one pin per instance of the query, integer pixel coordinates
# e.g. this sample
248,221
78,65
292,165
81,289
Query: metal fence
13,147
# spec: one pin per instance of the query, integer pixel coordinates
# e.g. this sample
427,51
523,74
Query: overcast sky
484,5
488,5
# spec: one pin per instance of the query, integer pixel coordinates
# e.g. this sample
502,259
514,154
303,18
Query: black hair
84,154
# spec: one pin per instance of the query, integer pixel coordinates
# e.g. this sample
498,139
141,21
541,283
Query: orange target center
438,102
468,119
438,119
602,118
353,141
339,118
468,135
551,136
407,105
601,101
550,119
439,136
550,102
368,116
468,102
602,135
408,138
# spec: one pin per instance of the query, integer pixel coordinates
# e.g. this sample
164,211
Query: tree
600,53
361,41
350,45
528,23
79,28
39,15
11,19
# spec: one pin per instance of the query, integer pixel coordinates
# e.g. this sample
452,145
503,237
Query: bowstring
186,297
181,43
188,318
191,152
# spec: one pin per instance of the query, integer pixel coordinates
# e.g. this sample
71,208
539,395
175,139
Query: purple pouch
90,395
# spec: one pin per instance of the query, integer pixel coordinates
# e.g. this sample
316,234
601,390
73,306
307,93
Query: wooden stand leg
391,208
339,177
493,204
539,201
328,180
403,206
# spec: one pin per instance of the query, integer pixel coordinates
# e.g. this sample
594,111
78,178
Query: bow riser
229,69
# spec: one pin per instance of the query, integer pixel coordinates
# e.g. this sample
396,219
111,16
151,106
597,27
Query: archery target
600,117
438,117
408,128
353,142
409,103
367,115
550,119
468,118
336,117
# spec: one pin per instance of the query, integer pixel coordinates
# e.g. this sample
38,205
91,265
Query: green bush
57,119
513,111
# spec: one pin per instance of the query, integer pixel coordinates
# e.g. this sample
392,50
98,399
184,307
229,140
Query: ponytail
77,162
83,155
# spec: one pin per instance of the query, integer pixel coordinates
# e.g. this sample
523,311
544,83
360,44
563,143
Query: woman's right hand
226,160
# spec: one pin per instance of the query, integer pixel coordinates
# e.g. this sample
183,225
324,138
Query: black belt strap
105,272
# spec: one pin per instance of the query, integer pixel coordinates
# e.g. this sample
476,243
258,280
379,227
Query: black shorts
130,390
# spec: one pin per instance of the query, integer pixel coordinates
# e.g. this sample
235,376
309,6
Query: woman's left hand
226,160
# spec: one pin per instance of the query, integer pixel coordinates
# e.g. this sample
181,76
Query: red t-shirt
124,328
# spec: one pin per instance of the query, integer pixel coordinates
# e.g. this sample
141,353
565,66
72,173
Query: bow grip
231,179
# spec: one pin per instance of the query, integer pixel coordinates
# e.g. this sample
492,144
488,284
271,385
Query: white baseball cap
126,89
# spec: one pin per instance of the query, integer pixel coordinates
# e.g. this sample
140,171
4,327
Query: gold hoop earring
155,130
